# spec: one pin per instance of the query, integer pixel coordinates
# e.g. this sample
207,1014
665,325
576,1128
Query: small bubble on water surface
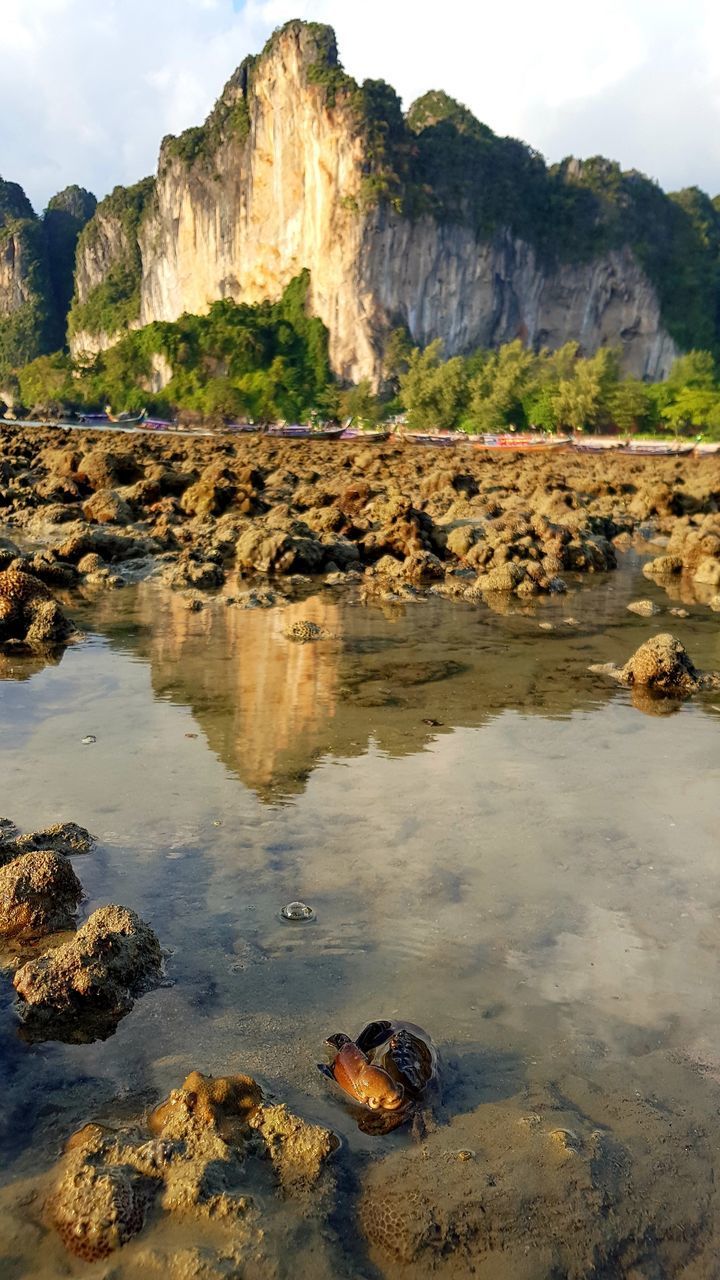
297,911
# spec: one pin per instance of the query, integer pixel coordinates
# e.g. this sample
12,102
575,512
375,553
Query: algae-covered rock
83,988
39,893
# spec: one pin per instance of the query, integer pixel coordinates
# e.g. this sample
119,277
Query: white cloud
94,86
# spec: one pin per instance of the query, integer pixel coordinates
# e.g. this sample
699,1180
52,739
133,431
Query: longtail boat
597,444
296,431
440,439
520,442
369,437
658,448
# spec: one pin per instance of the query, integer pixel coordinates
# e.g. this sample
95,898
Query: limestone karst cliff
37,258
426,220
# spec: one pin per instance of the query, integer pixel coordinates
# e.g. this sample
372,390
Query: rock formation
298,167
82,989
36,272
663,666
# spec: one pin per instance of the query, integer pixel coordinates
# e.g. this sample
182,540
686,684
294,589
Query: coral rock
113,957
212,1102
663,666
39,893
95,1210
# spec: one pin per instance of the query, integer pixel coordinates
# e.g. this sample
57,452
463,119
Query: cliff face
440,282
277,181
36,270
26,312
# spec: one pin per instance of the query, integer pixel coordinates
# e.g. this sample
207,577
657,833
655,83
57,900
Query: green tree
497,390
631,405
433,393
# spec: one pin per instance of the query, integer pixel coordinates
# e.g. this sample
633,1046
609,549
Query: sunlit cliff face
244,222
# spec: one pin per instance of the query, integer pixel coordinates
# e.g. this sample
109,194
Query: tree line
270,362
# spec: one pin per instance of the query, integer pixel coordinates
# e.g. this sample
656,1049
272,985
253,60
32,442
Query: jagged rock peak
437,107
13,202
74,201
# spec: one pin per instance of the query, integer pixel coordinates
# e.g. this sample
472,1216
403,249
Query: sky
91,86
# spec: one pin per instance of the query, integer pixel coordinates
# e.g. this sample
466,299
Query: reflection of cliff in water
261,700
270,708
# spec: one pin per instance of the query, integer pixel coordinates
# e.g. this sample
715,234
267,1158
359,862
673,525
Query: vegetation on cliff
439,160
270,362
66,215
114,303
264,362
28,318
229,120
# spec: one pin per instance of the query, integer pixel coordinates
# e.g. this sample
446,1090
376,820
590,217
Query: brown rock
29,613
663,567
107,507
663,666
113,958
708,572
39,893
644,608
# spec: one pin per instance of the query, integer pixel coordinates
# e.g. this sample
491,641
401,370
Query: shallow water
535,878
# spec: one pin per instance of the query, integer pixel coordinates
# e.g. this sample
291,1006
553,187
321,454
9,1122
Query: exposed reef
402,521
213,1143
